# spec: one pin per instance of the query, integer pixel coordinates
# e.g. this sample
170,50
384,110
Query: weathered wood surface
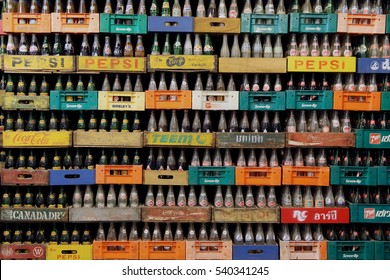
320,139
25,177
250,140
108,139
176,214
246,215
105,214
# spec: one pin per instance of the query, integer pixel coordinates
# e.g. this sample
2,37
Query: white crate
215,100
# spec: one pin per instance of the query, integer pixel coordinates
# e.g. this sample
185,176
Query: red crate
22,252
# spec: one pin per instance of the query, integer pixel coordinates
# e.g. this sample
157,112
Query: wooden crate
126,101
182,63
111,64
179,139
208,250
303,250
59,23
165,177
305,175
11,23
88,215
217,25
32,215
22,252
125,250
39,64
69,252
2,92
321,64
250,140
246,215
357,101
71,177
176,214
215,100
168,99
320,139
376,24
326,215
14,102
258,176
154,250
252,65
37,139
110,139
11,177
105,174
1,139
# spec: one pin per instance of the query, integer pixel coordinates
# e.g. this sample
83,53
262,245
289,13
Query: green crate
373,138
382,250
83,100
385,101
300,99
387,24
369,213
298,23
211,175
383,175
263,100
346,175
351,250
138,25
249,24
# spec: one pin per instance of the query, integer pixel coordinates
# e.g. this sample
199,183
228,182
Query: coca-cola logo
375,138
31,138
314,138
369,213
301,216
175,61
38,252
172,213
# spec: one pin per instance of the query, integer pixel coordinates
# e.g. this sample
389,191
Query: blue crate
255,252
183,24
72,177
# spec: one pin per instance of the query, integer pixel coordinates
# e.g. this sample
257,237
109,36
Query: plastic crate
303,250
1,28
71,177
208,250
215,100
11,23
348,175
119,174
81,100
369,213
22,252
351,250
69,252
60,23
168,99
132,24
10,177
254,24
14,102
385,101
263,101
356,101
165,177
373,65
162,250
305,175
327,23
383,176
170,24
373,138
258,176
255,252
387,24
375,24
121,101
217,25
309,99
211,175
382,250
115,250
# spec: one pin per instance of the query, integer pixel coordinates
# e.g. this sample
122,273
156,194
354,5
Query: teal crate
300,99
351,250
383,175
347,175
298,23
250,24
369,213
385,101
382,250
211,175
138,24
83,100
373,138
255,252
263,100
387,24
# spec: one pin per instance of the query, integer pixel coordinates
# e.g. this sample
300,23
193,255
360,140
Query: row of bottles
357,157
303,232
355,232
373,195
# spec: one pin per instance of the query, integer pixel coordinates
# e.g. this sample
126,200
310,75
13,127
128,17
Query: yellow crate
35,63
121,101
69,252
14,102
2,97
37,139
182,63
111,64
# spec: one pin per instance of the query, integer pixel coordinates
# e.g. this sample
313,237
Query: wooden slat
182,63
32,215
165,177
28,63
320,139
250,140
37,139
217,25
105,214
252,65
246,215
26,102
179,139
108,139
111,64
25,177
176,214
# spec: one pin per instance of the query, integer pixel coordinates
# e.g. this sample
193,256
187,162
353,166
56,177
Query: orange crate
154,250
168,99
305,175
23,252
103,250
353,23
1,28
11,23
258,176
357,101
59,23
303,250
113,174
209,250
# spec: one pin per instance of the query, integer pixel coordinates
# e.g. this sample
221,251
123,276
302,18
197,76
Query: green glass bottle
57,47
208,46
81,122
86,238
29,236
40,235
39,199
21,161
17,237
21,87
2,45
33,89
177,47
46,47
103,125
5,199
89,162
114,161
42,126
166,9
125,123
9,161
9,122
67,162
64,124
10,86
44,89
31,161
6,235
56,164
17,199
114,125
154,10
53,123
19,125
43,162
156,46
137,123
136,159
92,125
61,201
75,236
31,122
51,201
167,45
103,158
28,201
78,160
64,238
91,84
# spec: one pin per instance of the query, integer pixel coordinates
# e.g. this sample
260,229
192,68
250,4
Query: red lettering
334,65
102,63
322,64
89,61
298,63
136,63
114,62
127,63
310,64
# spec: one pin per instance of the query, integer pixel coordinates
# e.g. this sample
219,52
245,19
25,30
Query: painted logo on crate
300,215
304,215
369,213
377,139
38,252
175,61
7,251
374,65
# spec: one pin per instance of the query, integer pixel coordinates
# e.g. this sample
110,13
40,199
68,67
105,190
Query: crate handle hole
351,248
215,98
165,177
69,252
24,176
72,176
22,251
24,102
171,23
219,24
255,252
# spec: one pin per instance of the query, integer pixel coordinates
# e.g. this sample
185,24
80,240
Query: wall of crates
354,218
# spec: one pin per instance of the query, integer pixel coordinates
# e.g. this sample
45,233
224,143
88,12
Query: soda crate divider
327,23
115,250
255,252
176,214
12,23
217,25
134,24
305,175
72,177
263,101
303,250
208,250
14,102
12,177
373,24
75,23
353,175
69,252
22,252
165,177
162,250
116,214
351,250
278,24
